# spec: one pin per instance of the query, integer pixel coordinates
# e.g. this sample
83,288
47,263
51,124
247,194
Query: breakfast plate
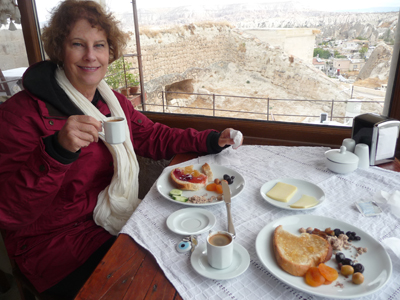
303,188
190,221
376,261
165,185
240,263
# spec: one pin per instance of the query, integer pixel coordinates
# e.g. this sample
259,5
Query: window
343,76
13,58
255,131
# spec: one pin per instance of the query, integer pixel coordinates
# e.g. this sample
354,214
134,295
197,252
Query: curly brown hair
64,17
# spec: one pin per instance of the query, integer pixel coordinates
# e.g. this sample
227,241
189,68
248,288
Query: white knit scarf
116,203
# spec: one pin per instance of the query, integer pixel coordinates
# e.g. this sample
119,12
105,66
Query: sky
326,5
121,6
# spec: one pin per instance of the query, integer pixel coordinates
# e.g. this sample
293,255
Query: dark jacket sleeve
29,177
158,141
58,152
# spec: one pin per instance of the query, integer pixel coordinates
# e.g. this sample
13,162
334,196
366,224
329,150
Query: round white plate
303,188
165,185
240,263
377,263
190,221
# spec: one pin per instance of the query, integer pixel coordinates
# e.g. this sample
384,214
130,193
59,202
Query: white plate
240,263
190,221
303,188
377,264
165,185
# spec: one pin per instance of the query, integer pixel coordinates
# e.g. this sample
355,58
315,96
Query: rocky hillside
254,69
292,14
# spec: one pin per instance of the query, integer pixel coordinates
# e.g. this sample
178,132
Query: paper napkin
393,200
393,244
237,137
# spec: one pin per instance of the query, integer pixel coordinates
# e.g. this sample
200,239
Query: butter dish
341,161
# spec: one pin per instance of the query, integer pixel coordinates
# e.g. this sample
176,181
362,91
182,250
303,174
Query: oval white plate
189,221
303,188
240,263
165,185
377,263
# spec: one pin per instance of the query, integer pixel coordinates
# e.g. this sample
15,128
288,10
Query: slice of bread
296,254
207,170
188,179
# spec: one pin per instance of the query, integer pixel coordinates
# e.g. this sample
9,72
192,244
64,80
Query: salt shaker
362,151
349,144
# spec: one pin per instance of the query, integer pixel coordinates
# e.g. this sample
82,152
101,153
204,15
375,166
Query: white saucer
190,221
240,263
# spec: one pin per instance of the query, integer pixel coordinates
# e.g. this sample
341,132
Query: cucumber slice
175,192
180,198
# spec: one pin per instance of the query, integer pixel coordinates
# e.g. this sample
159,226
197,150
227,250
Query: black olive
358,268
348,261
340,257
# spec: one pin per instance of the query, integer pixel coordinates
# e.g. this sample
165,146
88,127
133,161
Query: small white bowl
341,161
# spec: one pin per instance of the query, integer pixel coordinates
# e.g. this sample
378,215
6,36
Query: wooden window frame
254,131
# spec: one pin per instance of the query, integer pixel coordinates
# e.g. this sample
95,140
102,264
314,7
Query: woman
60,184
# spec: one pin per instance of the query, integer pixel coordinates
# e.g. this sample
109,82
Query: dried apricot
218,188
329,273
313,277
211,187
188,169
327,282
195,173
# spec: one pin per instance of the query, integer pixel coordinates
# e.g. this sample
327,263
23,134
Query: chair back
4,85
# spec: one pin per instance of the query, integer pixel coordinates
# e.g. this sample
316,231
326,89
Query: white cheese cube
282,192
305,202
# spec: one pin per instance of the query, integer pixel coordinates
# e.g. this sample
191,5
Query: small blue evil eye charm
183,246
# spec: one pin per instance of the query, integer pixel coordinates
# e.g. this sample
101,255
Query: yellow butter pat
305,202
282,192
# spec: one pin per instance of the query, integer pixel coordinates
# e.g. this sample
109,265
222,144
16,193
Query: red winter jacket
46,207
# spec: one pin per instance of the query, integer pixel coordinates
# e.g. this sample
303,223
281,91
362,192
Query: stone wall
294,41
195,52
171,58
12,49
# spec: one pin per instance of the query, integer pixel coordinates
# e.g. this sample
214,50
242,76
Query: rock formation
378,64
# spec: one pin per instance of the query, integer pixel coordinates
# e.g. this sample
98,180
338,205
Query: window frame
255,132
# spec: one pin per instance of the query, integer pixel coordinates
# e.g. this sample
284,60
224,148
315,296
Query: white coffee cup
362,151
114,130
220,249
350,144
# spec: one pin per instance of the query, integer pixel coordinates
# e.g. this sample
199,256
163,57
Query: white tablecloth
259,164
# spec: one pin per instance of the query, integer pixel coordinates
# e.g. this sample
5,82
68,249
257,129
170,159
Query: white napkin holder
380,133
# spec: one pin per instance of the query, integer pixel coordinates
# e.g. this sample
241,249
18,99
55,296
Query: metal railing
269,115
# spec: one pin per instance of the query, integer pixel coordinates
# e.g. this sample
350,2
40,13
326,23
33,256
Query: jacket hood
39,79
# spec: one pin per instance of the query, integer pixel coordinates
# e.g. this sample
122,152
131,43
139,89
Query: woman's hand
225,138
78,132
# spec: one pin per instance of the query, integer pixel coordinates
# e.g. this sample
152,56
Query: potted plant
132,82
119,78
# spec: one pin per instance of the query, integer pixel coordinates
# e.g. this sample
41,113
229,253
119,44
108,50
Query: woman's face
86,54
